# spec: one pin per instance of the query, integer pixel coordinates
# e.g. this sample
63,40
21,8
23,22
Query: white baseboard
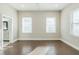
39,39
73,46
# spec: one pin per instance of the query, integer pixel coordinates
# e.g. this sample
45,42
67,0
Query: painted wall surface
39,24
65,25
0,32
5,9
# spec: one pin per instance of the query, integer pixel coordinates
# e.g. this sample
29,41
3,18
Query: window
50,24
27,25
75,23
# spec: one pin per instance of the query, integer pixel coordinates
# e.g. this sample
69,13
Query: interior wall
0,32
38,21
7,10
65,26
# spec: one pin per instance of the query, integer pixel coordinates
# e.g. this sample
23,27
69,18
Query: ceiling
39,6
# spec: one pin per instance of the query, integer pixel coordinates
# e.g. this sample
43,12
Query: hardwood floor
39,48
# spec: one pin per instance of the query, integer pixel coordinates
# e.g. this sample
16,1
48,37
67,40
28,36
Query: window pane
26,24
76,29
76,16
50,24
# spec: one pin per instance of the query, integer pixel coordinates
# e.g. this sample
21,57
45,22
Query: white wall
0,32
5,9
65,26
39,19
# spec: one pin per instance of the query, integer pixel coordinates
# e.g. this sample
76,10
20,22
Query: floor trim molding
73,46
14,41
39,39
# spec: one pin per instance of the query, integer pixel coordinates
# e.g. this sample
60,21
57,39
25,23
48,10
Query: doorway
7,30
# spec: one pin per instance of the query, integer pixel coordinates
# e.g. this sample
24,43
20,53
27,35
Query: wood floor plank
42,50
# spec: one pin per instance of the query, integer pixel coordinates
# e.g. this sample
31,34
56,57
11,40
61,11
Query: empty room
39,28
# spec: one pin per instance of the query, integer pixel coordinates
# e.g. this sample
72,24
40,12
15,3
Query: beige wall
39,19
65,26
7,10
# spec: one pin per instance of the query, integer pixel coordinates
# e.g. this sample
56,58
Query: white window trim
55,25
71,25
31,25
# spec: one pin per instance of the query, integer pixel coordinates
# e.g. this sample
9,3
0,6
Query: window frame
73,23
52,26
23,23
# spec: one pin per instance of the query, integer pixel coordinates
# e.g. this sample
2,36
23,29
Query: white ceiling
39,6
